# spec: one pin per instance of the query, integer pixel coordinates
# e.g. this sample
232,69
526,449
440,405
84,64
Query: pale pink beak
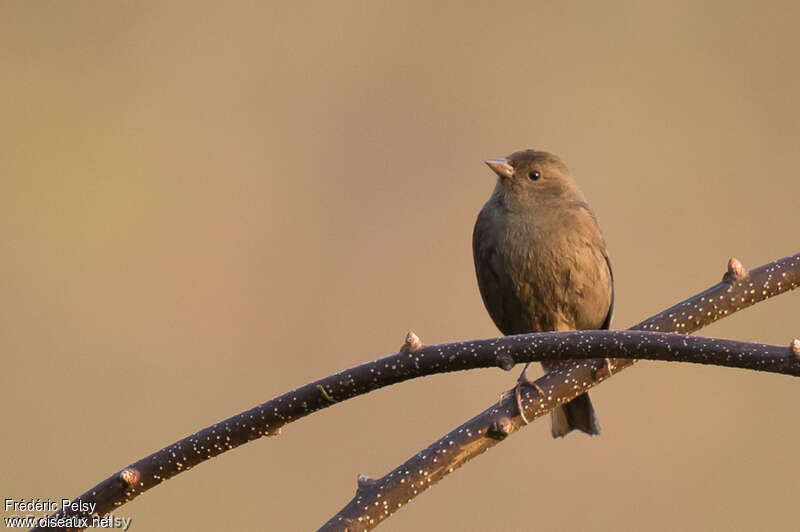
501,167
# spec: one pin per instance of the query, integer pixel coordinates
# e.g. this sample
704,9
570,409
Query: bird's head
533,177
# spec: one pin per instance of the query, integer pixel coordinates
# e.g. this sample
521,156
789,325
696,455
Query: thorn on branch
364,481
736,272
505,361
794,347
412,343
131,477
499,429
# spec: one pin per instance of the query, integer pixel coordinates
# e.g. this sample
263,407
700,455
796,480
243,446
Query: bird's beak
501,167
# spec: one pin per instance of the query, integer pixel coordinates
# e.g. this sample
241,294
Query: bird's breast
539,271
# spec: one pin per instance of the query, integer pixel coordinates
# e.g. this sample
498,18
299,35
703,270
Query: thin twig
413,360
376,499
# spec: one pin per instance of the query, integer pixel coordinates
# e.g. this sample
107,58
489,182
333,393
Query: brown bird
542,264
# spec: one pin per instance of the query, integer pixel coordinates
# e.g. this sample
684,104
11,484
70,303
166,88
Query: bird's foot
603,372
523,380
608,367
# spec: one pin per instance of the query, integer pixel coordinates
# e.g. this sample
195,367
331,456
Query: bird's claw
523,380
608,366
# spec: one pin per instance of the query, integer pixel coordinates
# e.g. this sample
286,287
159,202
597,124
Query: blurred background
204,206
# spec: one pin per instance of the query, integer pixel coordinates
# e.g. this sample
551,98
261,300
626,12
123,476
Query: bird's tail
577,414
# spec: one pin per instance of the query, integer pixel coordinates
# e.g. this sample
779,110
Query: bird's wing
607,321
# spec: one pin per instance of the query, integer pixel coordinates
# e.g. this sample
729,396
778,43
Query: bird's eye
535,175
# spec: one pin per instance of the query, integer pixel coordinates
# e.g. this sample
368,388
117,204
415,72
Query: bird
541,263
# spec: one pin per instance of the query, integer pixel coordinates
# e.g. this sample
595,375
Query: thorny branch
413,360
376,499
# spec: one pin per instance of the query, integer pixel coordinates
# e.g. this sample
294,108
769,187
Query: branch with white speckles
377,499
413,361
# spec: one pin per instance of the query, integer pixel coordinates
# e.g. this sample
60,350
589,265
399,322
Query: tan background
203,207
